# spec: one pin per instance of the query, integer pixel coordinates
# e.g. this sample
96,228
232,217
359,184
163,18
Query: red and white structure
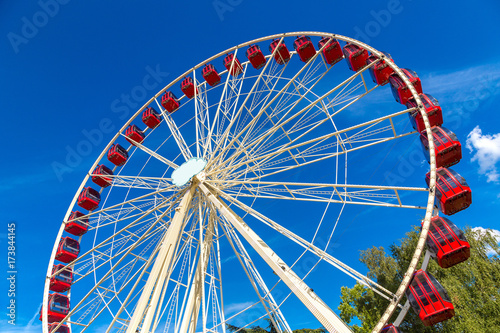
245,182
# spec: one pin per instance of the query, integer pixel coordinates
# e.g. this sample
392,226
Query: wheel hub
187,170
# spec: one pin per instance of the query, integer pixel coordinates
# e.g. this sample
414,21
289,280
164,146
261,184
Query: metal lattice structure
154,256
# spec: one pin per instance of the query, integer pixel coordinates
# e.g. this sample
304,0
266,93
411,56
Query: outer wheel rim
430,203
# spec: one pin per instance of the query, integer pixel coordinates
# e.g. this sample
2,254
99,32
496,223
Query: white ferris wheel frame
158,272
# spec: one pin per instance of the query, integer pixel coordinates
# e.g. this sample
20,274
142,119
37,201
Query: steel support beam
147,304
192,309
305,294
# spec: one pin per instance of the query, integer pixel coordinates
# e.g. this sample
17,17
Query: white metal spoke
140,182
154,154
343,193
357,135
287,117
181,143
323,255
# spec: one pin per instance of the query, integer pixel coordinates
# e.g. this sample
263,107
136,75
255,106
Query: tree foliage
269,329
474,287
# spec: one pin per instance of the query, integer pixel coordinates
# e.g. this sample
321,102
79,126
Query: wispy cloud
468,79
8,328
236,307
486,149
33,326
462,91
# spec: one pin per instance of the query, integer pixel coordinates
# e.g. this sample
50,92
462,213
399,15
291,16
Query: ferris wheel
238,200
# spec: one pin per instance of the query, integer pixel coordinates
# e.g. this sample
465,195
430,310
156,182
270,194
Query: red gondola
399,89
432,109
169,101
99,176
447,243
304,47
210,75
446,146
332,51
67,250
187,87
429,299
282,55
255,56
390,329
151,118
62,281
452,192
58,308
89,199
77,224
134,135
117,155
356,56
381,71
236,69
62,329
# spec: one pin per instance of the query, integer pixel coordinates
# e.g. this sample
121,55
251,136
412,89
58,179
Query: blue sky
65,70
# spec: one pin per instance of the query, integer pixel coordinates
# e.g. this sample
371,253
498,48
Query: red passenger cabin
67,250
381,71
432,108
61,281
151,118
187,87
304,47
447,243
282,54
332,51
117,155
429,299
210,75
99,176
447,148
169,102
356,56
134,135
58,308
452,192
255,56
62,329
77,224
233,66
390,329
400,90
89,199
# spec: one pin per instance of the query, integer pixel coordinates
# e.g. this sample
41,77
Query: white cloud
487,152
494,232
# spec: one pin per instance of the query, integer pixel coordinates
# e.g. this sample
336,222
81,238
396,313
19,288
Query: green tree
269,329
474,287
